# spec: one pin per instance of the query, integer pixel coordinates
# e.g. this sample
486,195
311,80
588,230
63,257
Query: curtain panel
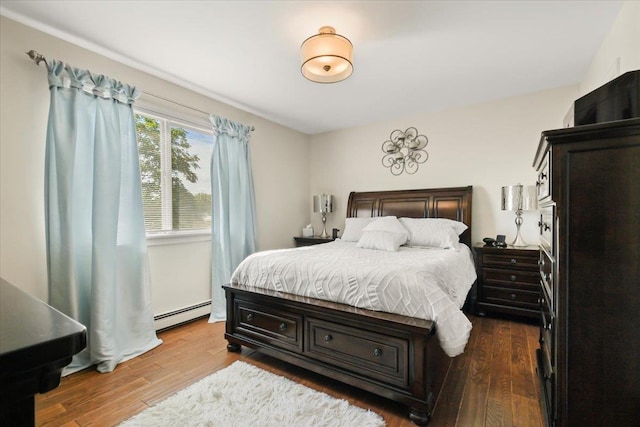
96,242
233,234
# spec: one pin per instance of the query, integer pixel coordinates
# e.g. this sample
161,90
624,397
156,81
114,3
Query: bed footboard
393,356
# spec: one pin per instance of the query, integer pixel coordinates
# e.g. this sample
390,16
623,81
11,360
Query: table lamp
519,198
323,203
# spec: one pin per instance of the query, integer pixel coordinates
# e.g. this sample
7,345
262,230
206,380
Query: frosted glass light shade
327,57
323,203
519,197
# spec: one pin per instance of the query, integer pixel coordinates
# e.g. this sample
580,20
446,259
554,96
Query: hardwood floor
492,384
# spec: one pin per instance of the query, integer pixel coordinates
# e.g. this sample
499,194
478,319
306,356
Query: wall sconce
519,198
327,57
404,151
323,204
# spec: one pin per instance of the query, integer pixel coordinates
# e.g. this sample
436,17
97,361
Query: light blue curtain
233,234
96,245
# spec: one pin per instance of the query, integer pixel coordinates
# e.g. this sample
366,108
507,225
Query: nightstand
508,280
308,241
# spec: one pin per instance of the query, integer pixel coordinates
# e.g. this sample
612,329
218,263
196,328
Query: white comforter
430,283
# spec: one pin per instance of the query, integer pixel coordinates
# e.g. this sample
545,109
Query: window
175,174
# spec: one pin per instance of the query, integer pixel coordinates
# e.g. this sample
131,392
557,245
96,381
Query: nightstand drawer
527,280
511,297
511,261
366,352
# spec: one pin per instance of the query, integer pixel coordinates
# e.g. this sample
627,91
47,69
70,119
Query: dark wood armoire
589,196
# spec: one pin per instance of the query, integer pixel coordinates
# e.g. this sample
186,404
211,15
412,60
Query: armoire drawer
368,353
270,326
546,225
547,275
543,183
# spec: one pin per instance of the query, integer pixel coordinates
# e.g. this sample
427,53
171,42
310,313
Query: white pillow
353,228
381,240
434,232
389,224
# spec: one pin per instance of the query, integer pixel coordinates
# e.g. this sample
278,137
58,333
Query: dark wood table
36,343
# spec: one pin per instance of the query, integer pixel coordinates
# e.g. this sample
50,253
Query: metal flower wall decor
404,151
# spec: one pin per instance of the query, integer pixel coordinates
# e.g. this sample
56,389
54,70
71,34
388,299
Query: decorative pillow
353,228
381,240
384,233
434,232
389,224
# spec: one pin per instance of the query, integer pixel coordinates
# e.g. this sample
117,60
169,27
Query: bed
397,356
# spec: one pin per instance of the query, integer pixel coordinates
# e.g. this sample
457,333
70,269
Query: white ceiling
409,56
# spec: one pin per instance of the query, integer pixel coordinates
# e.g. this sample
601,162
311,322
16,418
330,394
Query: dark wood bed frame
393,356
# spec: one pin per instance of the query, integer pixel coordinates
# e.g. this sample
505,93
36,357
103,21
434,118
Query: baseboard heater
182,315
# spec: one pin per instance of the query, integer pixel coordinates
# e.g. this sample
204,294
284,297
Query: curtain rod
38,58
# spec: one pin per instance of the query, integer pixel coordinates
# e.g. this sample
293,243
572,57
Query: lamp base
518,242
324,233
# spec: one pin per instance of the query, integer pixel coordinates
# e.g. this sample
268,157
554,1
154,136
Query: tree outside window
175,174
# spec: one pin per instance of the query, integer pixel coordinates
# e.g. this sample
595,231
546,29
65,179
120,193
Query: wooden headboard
451,203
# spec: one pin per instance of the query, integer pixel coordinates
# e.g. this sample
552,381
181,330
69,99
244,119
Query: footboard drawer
368,353
267,325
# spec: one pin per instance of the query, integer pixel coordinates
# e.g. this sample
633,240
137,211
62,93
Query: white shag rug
244,395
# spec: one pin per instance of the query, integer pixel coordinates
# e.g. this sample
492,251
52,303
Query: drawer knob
513,277
546,227
513,296
513,261
377,352
328,338
249,317
282,327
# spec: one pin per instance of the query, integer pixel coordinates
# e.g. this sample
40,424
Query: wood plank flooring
492,384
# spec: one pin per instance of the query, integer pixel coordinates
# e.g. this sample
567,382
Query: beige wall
487,145
620,50
180,273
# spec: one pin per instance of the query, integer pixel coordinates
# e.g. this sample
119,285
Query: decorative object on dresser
395,356
245,395
404,151
327,57
519,198
323,203
308,241
508,280
589,196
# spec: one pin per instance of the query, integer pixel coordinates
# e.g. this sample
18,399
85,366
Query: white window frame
179,115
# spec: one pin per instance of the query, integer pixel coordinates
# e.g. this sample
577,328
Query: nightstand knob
328,338
513,277
282,327
249,317
513,296
513,261
377,352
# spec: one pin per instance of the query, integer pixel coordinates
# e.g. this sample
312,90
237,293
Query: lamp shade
323,203
327,57
519,197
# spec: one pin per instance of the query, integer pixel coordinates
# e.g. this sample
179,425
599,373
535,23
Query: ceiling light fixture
327,57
